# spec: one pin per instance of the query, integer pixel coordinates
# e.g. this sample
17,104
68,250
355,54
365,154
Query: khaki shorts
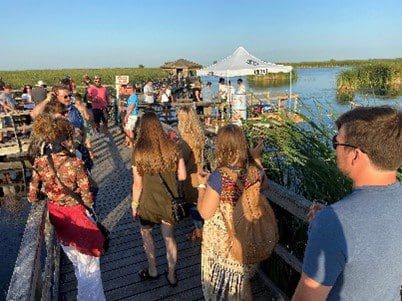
208,111
130,125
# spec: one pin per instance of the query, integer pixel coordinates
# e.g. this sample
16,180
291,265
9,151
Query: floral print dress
72,225
223,277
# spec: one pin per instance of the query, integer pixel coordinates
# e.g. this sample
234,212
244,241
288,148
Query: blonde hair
231,147
154,152
191,131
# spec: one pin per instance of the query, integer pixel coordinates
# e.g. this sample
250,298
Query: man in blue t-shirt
132,113
354,248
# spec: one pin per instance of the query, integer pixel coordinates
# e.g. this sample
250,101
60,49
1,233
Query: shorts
100,115
122,116
130,125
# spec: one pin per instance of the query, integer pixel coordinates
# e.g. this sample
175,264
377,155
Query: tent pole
290,86
229,108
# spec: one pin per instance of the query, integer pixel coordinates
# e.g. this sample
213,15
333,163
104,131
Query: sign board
122,79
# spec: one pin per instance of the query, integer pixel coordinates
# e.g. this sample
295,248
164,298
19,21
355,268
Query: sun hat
41,83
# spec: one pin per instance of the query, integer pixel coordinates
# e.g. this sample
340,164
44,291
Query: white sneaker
106,138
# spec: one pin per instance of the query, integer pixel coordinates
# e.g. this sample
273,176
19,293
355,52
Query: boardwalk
126,256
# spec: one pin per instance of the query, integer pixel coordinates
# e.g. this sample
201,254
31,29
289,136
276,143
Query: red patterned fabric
230,192
74,228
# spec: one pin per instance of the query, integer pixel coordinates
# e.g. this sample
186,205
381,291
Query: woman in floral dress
224,278
78,235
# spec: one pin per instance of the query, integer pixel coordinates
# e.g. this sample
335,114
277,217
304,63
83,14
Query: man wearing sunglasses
61,93
354,248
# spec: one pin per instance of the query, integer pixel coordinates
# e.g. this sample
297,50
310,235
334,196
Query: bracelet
202,186
135,204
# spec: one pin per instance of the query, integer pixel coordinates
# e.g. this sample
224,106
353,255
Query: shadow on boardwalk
125,256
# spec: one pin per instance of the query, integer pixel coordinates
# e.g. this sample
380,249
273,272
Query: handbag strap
71,193
168,190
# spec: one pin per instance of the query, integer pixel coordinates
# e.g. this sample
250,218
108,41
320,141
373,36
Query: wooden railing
31,280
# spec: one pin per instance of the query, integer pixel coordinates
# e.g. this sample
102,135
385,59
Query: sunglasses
335,144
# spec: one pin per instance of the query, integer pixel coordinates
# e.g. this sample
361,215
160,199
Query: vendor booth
242,63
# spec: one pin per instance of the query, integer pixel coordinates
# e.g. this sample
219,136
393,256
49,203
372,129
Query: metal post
290,86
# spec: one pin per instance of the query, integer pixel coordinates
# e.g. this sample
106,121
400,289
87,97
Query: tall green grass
18,79
342,63
380,79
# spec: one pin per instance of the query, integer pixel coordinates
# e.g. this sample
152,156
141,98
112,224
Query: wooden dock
125,256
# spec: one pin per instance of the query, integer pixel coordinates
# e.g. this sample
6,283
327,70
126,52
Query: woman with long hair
223,277
192,146
156,162
56,171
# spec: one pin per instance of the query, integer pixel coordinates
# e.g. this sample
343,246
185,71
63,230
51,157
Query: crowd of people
354,246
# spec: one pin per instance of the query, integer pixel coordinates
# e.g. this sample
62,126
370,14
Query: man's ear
358,156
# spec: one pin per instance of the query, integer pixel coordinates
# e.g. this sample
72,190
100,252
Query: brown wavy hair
64,128
231,147
191,131
47,129
44,128
153,151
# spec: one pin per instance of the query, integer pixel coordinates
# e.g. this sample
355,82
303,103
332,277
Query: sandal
144,275
172,284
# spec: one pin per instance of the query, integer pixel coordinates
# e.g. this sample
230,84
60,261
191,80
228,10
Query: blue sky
81,34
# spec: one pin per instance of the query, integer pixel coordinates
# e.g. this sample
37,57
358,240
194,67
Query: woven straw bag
253,234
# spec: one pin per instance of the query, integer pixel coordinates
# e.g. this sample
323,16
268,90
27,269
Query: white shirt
241,90
166,96
148,89
231,90
222,91
26,97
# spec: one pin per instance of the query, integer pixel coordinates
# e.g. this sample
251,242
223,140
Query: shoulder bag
178,203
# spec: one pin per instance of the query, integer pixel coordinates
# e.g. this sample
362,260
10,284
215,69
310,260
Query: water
316,88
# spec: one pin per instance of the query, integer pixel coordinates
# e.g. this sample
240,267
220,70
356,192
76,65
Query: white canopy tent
242,63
